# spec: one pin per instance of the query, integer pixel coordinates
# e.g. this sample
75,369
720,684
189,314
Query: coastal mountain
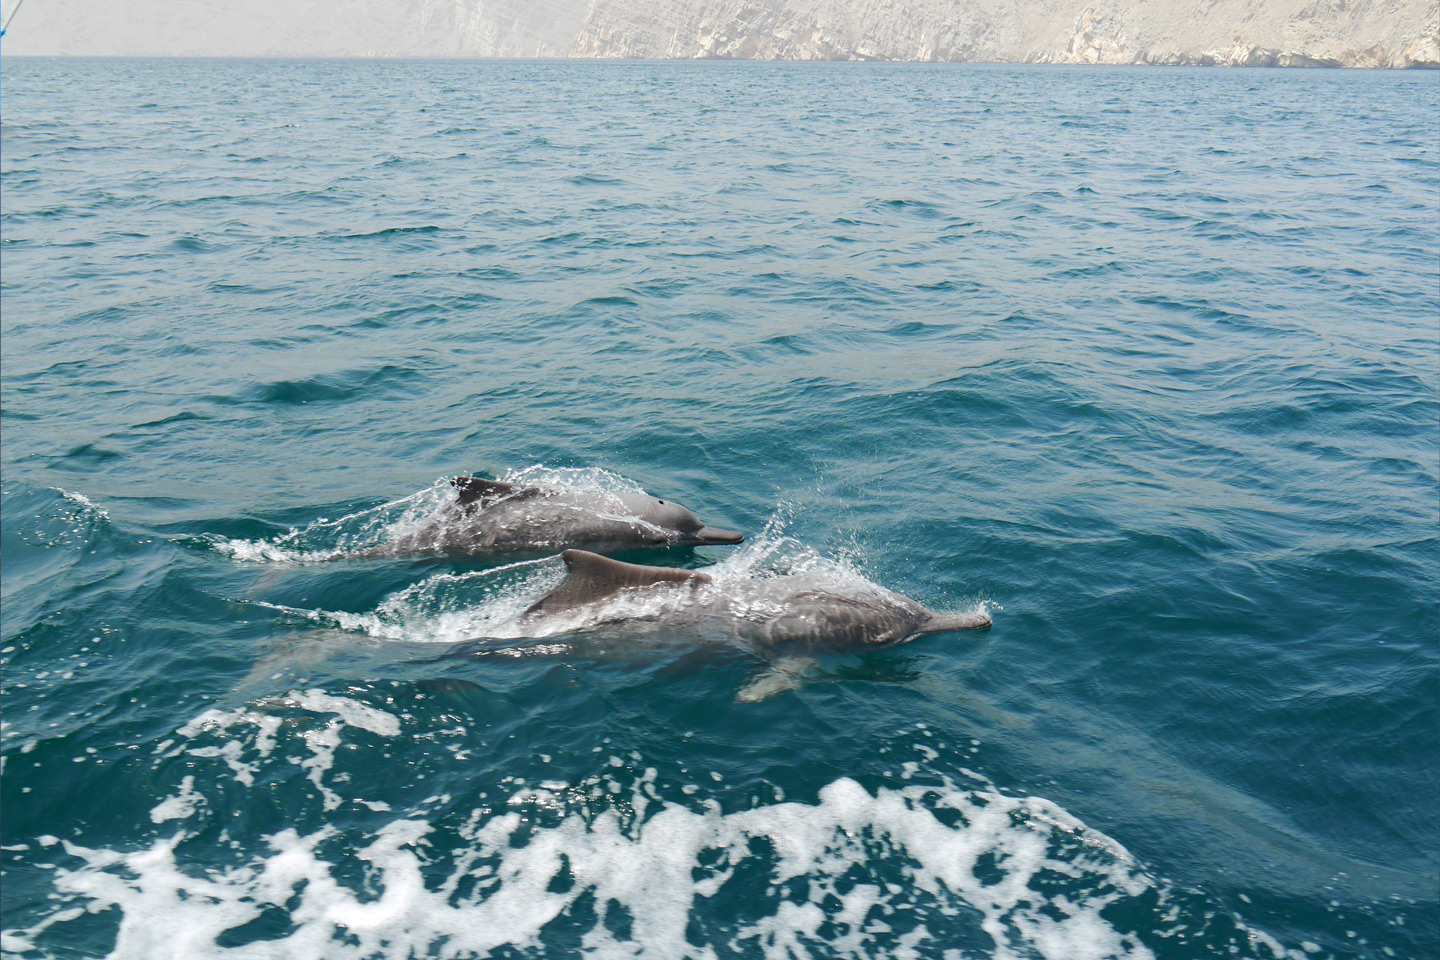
1196,32
1359,33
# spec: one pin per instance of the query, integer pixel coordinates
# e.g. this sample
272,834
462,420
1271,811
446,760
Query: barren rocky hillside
1365,33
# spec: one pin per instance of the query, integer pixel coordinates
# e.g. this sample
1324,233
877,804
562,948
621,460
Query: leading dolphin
495,518
783,620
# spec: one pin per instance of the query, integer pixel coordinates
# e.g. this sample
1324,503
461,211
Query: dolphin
496,518
784,621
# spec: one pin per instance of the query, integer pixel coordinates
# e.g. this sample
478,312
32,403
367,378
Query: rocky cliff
1363,33
1370,33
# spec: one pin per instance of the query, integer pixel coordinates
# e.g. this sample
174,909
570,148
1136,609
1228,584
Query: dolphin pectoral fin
593,577
707,536
782,675
290,658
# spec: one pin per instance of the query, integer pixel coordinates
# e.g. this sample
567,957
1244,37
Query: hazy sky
295,27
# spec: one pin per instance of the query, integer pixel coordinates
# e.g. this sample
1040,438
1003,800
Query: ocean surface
1142,361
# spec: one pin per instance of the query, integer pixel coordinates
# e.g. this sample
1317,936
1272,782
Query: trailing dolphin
783,620
495,518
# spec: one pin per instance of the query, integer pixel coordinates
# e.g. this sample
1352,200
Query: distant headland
1268,33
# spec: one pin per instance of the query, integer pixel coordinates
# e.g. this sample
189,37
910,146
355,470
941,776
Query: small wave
390,232
916,208
37,516
180,417
89,454
594,180
609,301
85,502
334,387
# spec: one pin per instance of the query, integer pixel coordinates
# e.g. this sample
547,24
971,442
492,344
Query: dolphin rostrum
783,620
493,517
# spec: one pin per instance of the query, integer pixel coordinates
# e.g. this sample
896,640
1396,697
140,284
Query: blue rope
11,19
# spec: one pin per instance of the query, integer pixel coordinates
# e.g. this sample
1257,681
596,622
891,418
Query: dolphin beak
710,535
945,623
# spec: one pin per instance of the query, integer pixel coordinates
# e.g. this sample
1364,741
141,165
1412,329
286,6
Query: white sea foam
630,862
320,742
180,806
350,712
266,724
266,551
509,881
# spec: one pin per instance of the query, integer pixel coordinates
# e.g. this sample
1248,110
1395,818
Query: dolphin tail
947,623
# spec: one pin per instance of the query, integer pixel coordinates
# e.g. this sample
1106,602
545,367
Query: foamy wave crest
563,869
84,502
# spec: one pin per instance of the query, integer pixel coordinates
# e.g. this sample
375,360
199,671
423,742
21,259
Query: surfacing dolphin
784,620
495,518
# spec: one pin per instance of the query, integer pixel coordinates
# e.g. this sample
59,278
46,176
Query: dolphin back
592,578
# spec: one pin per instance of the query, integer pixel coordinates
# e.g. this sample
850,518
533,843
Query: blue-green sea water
1143,361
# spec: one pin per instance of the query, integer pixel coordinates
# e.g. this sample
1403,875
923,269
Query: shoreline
1270,60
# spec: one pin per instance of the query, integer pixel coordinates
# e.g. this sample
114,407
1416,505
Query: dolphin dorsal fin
486,492
593,577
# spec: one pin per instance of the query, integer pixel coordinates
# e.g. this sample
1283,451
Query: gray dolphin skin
495,518
782,617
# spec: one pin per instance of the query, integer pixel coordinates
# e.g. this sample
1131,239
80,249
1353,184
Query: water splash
324,539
